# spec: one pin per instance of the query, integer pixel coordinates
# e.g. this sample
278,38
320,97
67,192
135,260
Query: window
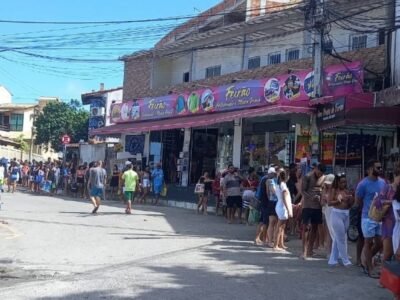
359,42
254,63
292,54
186,77
17,122
274,58
213,71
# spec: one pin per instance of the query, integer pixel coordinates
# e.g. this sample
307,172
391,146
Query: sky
67,60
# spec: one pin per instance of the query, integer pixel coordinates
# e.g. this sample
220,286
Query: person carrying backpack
262,196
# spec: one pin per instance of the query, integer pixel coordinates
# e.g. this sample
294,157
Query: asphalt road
55,249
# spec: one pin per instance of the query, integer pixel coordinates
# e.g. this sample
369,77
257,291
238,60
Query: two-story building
235,85
16,122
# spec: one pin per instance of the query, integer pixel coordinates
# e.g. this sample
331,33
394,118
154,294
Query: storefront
353,132
249,124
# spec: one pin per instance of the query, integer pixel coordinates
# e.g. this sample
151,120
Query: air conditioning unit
97,111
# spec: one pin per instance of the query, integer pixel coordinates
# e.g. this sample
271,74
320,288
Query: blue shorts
96,192
370,228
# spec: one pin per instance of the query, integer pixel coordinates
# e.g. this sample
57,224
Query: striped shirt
231,184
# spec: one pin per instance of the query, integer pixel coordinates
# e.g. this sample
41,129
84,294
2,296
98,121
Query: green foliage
23,145
59,118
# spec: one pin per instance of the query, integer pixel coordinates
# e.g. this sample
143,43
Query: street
54,248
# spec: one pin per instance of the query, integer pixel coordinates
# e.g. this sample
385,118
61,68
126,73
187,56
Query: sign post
65,139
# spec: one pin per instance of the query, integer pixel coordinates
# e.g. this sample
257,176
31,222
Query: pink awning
202,120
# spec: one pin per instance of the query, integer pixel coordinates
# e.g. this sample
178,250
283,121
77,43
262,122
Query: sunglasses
341,175
378,168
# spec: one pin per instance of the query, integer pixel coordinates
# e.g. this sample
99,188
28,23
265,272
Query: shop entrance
165,147
204,153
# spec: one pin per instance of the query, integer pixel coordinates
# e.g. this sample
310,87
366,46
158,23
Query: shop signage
331,112
97,112
286,89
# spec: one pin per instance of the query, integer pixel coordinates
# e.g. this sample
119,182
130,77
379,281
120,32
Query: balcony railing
5,128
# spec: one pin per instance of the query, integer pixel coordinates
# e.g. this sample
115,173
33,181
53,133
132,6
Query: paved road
55,249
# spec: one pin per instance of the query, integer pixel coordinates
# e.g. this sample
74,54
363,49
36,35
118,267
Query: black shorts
271,208
232,201
311,216
264,217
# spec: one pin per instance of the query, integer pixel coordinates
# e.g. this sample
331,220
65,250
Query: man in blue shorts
96,184
366,191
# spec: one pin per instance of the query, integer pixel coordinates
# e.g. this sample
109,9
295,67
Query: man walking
96,184
131,184
366,191
312,210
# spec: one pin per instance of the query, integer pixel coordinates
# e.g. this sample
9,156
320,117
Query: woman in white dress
283,210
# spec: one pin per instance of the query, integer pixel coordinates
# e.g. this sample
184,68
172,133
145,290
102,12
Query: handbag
199,188
377,211
254,216
164,191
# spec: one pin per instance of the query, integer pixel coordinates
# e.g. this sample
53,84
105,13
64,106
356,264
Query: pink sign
339,80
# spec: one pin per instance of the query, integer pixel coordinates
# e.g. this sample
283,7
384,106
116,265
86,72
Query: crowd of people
283,201
88,180
317,206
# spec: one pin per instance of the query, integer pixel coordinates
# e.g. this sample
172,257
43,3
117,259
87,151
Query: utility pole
317,19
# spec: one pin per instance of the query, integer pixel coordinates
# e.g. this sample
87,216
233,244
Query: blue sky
28,76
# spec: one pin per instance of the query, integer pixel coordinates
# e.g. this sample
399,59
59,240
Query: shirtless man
312,209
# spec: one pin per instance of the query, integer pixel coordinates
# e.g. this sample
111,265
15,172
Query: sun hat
329,179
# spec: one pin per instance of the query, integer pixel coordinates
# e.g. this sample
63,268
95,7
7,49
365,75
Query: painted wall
5,95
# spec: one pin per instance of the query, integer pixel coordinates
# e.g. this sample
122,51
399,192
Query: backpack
261,193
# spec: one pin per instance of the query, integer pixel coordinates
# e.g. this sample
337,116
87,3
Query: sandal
374,275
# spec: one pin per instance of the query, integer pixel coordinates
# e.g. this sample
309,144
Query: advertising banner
286,89
96,118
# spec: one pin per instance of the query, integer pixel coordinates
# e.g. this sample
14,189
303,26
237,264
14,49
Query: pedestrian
283,209
146,184
341,201
203,197
114,182
14,177
312,210
396,229
261,194
2,177
249,186
327,211
366,191
388,222
231,189
25,174
158,182
130,181
96,185
272,190
80,180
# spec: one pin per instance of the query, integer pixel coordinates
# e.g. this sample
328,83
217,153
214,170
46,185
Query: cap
127,163
271,170
329,179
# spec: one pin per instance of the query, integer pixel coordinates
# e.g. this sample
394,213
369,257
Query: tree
23,145
59,118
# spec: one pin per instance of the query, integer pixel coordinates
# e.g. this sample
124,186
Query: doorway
204,153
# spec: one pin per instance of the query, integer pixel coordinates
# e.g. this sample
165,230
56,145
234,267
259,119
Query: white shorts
146,183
